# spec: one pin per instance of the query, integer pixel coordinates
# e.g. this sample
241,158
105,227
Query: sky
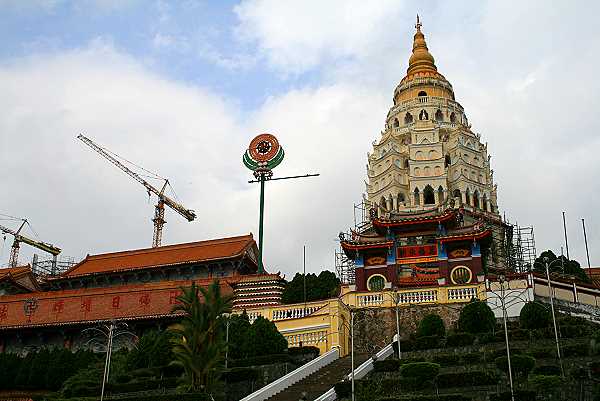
181,88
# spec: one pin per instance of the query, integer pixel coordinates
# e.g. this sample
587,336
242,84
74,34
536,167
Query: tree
324,286
534,316
561,266
199,343
521,365
239,336
153,350
431,325
476,317
265,339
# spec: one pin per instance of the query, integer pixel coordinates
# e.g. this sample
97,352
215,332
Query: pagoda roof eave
429,218
353,245
466,236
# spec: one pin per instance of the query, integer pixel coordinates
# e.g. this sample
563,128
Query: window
447,161
417,197
456,193
422,93
428,196
461,275
439,116
441,194
408,118
376,282
452,117
396,122
423,115
476,199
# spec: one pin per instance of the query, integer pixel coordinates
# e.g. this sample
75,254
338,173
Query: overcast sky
182,87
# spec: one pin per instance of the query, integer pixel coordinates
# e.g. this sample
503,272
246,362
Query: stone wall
375,328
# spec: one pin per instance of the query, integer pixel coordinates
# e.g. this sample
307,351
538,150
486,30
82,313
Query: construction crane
14,252
159,208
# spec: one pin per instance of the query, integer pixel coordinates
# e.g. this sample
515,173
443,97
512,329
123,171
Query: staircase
320,381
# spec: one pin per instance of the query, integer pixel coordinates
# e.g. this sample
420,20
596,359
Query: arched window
422,93
441,194
400,200
405,163
383,203
417,197
447,161
391,202
396,123
423,115
476,199
408,118
428,196
433,155
484,203
456,193
439,116
452,117
427,171
376,282
468,197
419,155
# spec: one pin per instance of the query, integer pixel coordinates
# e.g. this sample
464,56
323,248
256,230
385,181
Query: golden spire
420,60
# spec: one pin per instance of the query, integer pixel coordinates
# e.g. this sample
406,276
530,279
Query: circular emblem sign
263,155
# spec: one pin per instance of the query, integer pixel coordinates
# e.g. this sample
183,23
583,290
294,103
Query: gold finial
418,24
420,60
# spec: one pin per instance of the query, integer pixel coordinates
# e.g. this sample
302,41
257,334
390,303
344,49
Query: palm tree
198,343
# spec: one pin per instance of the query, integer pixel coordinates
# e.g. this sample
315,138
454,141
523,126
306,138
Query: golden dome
420,60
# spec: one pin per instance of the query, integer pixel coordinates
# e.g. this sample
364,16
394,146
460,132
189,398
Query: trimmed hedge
521,364
441,397
520,395
476,317
420,370
431,325
545,382
471,358
460,340
446,359
260,360
462,379
427,342
240,374
575,331
343,389
571,350
387,365
534,315
547,370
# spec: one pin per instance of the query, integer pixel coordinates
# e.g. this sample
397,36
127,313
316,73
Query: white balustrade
370,300
462,294
418,297
311,338
293,377
295,312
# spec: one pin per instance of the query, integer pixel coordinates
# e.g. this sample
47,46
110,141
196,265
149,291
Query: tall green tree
560,265
153,350
198,340
325,285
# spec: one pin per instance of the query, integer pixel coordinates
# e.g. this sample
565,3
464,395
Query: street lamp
502,279
227,322
110,332
395,296
352,311
551,294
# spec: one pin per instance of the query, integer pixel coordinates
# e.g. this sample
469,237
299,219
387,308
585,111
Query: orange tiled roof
14,272
21,276
201,251
68,307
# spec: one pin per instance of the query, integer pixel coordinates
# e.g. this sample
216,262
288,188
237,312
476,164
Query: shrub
241,374
260,360
427,342
306,350
486,338
471,358
547,370
387,365
520,395
581,349
543,382
519,335
441,397
405,346
595,368
521,364
431,325
542,352
474,378
544,332
575,331
343,389
420,370
476,317
446,359
534,315
460,340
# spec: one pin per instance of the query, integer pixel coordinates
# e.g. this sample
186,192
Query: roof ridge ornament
418,24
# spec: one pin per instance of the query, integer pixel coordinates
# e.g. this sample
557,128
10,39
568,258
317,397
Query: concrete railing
359,372
294,376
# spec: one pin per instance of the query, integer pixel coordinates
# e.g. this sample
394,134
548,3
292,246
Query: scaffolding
50,267
524,252
344,267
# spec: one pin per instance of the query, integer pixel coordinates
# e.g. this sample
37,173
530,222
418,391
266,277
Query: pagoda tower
427,156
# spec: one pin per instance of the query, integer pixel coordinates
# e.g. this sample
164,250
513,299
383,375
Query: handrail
293,377
359,372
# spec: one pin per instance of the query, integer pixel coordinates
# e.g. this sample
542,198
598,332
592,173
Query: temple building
138,286
433,211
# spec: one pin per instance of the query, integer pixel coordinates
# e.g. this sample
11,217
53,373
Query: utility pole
587,252
304,273
566,238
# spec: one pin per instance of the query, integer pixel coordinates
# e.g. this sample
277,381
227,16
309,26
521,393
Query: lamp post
110,331
502,279
550,292
352,311
227,322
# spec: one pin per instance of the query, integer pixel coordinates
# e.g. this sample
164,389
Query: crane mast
14,251
159,208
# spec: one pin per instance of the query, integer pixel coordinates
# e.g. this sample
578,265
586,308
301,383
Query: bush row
393,365
260,360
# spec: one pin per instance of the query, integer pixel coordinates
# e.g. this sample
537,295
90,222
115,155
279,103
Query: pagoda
432,201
